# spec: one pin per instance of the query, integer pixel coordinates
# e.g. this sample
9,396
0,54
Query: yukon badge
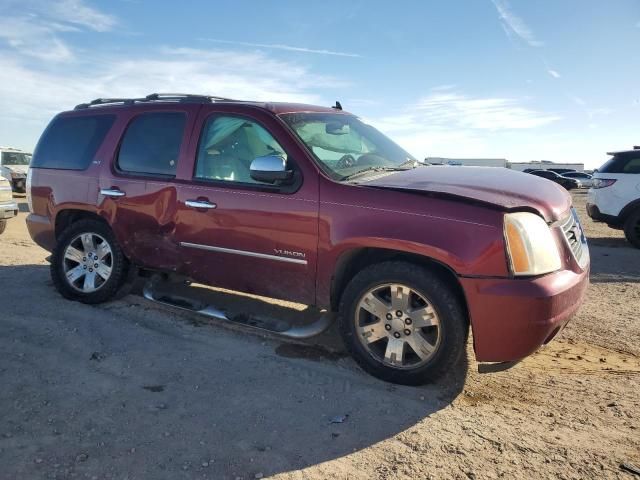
289,253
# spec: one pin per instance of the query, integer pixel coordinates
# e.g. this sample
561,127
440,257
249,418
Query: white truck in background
8,206
14,165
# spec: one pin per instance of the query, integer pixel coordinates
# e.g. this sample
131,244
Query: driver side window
227,147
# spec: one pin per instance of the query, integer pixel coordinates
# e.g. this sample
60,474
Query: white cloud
31,94
448,123
590,111
77,12
490,113
35,27
578,100
42,75
278,46
514,25
553,73
30,37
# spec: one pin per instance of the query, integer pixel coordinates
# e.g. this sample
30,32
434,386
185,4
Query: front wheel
87,264
632,228
403,324
3,226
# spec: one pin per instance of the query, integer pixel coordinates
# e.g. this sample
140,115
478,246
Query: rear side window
632,166
70,143
628,163
151,144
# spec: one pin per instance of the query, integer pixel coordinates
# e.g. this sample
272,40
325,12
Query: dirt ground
132,390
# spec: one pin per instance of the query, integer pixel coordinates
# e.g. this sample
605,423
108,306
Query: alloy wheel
88,262
397,326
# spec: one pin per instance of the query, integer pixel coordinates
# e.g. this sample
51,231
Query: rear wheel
3,226
87,264
632,228
403,324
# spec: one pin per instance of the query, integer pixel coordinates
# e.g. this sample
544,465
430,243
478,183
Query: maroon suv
312,205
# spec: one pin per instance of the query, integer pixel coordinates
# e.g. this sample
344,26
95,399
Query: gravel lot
133,390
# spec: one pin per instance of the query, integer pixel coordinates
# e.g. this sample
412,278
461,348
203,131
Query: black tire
119,263
632,228
449,358
3,226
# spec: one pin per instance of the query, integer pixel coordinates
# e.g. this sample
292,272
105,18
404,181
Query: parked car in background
584,178
8,207
568,183
614,197
14,164
309,204
561,171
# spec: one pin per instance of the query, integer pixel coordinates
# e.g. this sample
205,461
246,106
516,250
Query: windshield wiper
369,170
409,163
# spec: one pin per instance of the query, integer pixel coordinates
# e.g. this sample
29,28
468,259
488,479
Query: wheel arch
628,209
354,260
68,216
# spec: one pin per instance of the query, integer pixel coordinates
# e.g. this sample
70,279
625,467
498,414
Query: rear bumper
41,231
8,210
596,215
512,318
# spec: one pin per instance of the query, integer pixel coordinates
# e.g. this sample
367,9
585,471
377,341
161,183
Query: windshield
344,145
15,158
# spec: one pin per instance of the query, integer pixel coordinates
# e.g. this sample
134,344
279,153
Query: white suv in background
614,197
14,165
8,206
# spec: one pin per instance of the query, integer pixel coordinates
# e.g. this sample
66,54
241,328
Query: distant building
503,162
468,162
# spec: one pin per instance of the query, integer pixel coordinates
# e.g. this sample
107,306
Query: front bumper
19,183
8,210
512,318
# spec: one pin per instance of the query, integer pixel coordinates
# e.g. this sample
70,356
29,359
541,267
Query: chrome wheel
88,262
397,326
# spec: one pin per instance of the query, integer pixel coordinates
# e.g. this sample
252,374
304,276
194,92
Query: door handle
112,192
200,204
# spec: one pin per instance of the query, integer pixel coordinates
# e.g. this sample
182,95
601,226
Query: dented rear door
138,186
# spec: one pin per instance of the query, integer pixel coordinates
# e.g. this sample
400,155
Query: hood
501,187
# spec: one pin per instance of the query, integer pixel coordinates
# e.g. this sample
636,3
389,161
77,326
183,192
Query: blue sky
522,80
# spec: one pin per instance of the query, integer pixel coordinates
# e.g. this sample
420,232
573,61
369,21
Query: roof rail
154,97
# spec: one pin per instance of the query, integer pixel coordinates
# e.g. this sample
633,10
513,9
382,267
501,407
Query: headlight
531,247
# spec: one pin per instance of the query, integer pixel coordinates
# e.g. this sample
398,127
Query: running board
268,325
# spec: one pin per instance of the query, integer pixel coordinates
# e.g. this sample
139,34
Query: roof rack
154,97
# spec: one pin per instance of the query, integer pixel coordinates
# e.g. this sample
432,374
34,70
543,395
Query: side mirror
270,169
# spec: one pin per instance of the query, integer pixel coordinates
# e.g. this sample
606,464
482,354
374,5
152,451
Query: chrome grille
574,235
